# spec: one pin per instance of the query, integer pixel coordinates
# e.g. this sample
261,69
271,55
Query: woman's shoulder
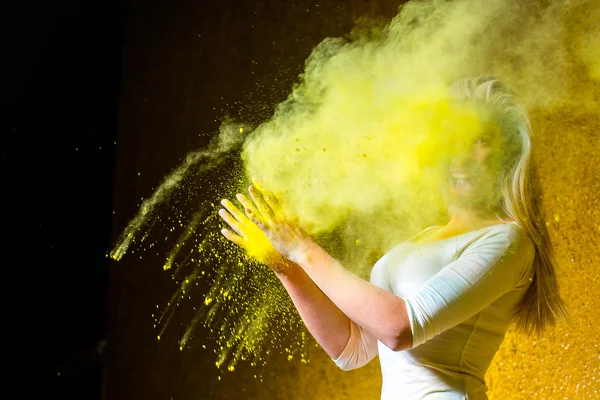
511,229
509,236
405,244
421,234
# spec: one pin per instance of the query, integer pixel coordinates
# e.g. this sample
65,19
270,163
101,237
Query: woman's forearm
377,311
324,320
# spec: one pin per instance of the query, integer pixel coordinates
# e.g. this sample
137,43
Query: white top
461,295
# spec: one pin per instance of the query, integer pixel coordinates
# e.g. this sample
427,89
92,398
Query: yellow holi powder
374,146
259,246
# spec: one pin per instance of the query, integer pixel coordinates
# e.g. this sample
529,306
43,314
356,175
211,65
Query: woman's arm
378,312
494,265
324,320
485,271
345,342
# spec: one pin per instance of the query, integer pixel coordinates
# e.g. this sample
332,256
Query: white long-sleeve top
461,295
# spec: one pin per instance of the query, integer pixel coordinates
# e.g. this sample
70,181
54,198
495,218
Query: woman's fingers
270,200
235,225
246,203
233,210
256,219
232,237
273,203
263,207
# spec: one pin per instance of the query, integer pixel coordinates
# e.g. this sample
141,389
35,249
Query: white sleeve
360,349
362,346
490,267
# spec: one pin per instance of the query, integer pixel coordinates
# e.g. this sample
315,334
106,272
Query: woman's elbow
393,344
348,367
399,342
399,333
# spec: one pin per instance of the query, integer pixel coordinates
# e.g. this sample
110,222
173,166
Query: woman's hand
264,228
283,232
248,236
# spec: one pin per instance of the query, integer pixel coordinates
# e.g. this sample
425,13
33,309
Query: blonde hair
521,198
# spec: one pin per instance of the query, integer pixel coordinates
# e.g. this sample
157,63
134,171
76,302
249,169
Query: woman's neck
465,220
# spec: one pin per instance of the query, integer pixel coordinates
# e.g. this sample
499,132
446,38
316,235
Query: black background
62,64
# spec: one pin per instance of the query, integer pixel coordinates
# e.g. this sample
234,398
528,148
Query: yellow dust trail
189,232
148,205
199,162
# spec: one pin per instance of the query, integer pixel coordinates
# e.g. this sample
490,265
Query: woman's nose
462,159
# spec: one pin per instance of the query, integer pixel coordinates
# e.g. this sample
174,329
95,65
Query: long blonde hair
521,198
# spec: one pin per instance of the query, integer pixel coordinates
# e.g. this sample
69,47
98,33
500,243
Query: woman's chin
472,203
465,198
462,194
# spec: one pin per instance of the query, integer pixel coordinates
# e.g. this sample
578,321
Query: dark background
79,72
62,66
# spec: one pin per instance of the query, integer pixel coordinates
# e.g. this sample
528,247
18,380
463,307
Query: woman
438,305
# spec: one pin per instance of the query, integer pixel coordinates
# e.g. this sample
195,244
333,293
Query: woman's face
473,174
